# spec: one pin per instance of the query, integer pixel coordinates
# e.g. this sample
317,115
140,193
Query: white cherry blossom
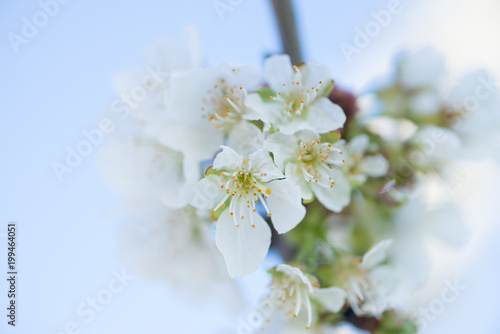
208,107
366,293
299,102
424,68
242,235
144,93
435,148
175,246
143,170
358,165
309,163
475,116
292,291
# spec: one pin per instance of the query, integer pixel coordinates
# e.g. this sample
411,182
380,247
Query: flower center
245,190
223,105
291,295
365,296
313,157
297,96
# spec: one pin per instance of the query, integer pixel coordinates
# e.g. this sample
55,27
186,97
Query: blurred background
56,82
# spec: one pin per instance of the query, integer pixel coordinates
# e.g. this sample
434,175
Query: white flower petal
358,145
295,174
285,205
374,165
173,246
258,109
278,70
244,247
140,167
239,75
313,73
207,193
291,125
357,179
332,298
437,145
325,116
308,136
263,163
191,88
294,272
170,54
192,169
376,255
245,138
227,159
283,147
423,68
336,198
392,129
426,103
336,156
199,142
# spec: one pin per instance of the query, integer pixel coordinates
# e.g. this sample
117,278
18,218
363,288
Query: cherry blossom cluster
219,163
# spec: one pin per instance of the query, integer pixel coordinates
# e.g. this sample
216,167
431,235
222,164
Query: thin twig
283,10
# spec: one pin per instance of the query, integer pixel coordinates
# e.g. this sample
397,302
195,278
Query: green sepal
330,137
329,87
210,171
393,323
265,94
216,214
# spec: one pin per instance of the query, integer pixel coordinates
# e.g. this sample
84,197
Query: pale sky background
59,82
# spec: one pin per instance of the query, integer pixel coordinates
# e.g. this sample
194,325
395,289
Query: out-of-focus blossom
175,246
424,68
208,106
358,164
435,147
416,223
292,291
364,282
474,113
392,129
140,167
147,91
